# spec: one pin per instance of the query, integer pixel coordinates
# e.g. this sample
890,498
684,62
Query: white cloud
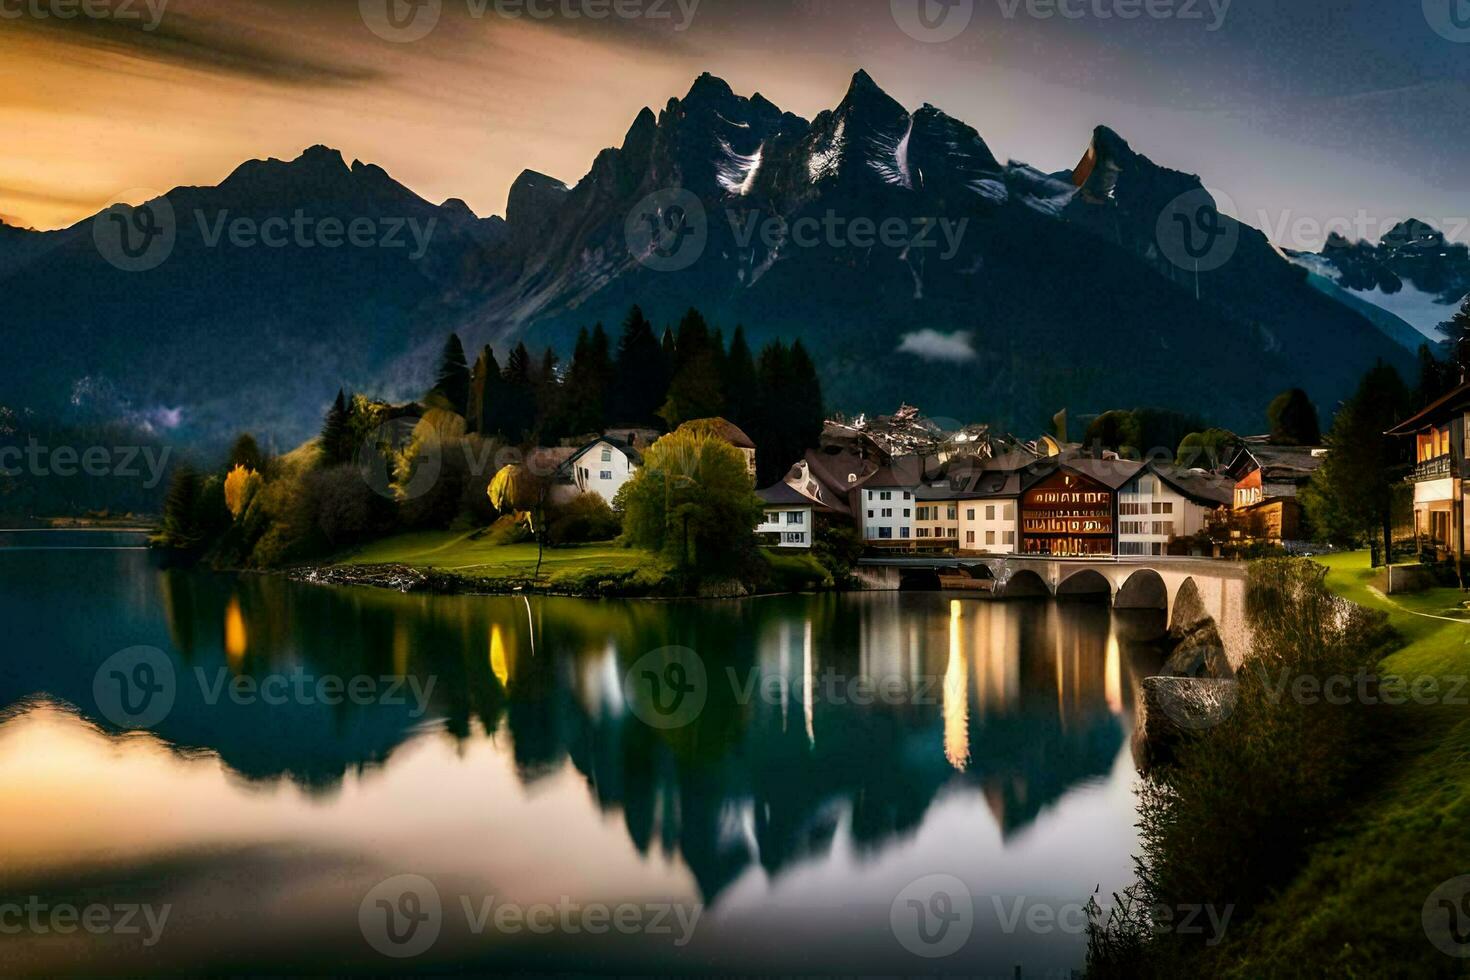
932,345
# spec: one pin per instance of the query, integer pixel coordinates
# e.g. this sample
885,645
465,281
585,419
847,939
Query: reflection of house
1267,481
601,467
1439,467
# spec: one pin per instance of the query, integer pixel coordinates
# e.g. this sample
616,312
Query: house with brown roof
1268,480
1440,522
728,431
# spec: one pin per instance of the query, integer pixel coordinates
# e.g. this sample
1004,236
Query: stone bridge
1186,590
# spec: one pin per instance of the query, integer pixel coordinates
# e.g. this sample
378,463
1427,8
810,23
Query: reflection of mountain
824,715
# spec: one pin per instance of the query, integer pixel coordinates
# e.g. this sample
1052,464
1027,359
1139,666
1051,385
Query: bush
586,518
346,510
1233,818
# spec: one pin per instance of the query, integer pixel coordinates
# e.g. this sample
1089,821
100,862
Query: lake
212,773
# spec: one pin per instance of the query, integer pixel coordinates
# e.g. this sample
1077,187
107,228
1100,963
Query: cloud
932,345
215,42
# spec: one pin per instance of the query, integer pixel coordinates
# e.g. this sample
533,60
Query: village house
1267,482
789,519
1165,505
601,467
1440,513
731,433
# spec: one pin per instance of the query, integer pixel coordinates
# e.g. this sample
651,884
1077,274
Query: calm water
837,750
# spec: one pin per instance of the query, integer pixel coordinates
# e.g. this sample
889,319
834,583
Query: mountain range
911,262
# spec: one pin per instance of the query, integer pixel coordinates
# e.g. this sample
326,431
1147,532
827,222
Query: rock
1199,653
1176,708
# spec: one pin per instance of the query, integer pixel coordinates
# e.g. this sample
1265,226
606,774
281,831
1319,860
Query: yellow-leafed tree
240,486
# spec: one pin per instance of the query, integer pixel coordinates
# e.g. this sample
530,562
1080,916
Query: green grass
1355,909
463,554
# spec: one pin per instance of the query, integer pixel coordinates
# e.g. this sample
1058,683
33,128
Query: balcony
1437,468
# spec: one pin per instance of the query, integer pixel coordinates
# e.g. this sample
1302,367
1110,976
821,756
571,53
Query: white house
787,521
602,467
886,508
1161,504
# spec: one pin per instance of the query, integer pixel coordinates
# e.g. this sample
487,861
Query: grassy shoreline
468,561
1355,908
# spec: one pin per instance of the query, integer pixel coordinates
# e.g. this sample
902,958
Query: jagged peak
709,86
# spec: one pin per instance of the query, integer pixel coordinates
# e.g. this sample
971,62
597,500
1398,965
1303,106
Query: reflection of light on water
400,648
956,696
809,679
1113,684
236,641
499,665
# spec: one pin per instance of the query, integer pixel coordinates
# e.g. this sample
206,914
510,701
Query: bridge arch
1024,583
1188,608
1144,589
1084,583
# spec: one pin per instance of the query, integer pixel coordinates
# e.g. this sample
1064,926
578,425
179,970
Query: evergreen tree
740,382
181,508
1436,378
336,441
1293,420
773,445
808,415
453,383
482,411
551,421
696,390
588,378
1457,332
1350,496
642,383
518,408
246,452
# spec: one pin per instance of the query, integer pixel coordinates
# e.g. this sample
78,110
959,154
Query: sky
1303,116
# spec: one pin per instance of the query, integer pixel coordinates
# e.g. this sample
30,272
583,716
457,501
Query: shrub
586,518
1233,818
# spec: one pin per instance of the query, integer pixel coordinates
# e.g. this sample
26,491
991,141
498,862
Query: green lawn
1355,909
462,553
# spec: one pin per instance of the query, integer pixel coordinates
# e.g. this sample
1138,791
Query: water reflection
832,724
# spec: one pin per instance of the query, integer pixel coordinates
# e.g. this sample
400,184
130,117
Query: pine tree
246,452
740,382
180,508
1457,331
551,421
336,441
773,445
696,390
518,408
642,382
1350,496
482,412
453,382
586,391
1436,378
808,415
1293,420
